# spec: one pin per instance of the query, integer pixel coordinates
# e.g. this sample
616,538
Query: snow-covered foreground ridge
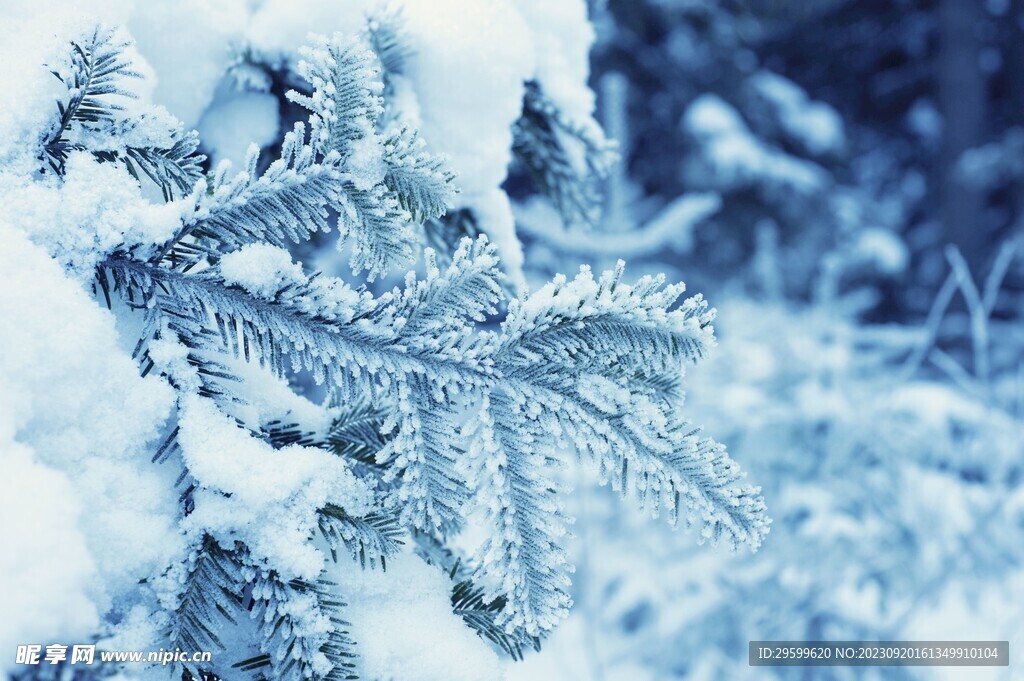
170,486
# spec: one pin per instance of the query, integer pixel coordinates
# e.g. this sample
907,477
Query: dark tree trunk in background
1015,67
1015,59
962,93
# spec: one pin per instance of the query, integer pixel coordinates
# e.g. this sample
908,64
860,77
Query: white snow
27,90
277,28
77,422
189,45
45,567
234,121
97,208
469,64
261,269
405,626
562,37
264,497
270,398
733,158
365,162
815,126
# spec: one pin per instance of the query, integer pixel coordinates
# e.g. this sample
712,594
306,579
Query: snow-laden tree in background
723,154
891,452
447,401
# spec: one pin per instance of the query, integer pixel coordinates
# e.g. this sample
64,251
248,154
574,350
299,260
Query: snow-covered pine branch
98,76
211,596
284,204
175,169
393,181
370,539
304,634
579,356
601,353
440,413
566,160
95,73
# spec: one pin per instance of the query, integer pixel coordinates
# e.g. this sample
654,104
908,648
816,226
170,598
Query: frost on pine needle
392,180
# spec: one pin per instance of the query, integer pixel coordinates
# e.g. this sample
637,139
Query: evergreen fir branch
431,492
666,388
175,170
357,434
371,539
201,374
565,357
285,204
281,435
560,368
378,226
604,327
591,336
542,139
469,601
670,466
346,99
522,559
423,183
346,339
446,305
94,76
339,646
198,374
211,597
213,379
432,549
304,634
439,310
390,180
445,233
386,34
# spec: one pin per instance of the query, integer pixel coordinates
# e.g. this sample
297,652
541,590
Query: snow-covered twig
931,328
976,310
672,229
956,373
994,280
